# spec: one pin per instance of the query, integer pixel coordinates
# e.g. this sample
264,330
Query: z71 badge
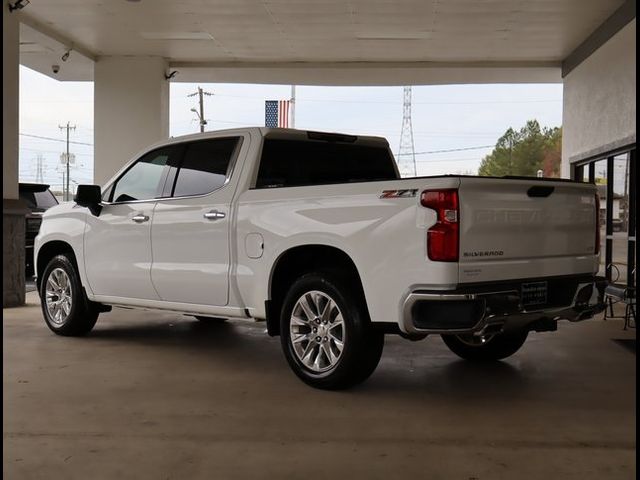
407,193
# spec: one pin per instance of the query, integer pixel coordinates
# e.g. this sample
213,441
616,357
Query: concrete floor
161,396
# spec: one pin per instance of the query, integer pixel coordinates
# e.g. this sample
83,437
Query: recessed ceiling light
393,35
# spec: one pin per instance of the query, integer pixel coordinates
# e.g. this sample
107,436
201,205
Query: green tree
524,152
552,161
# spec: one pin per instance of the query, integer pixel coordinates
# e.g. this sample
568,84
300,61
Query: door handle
214,215
140,218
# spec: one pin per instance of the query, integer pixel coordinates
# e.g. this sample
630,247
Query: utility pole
200,114
407,154
67,127
292,124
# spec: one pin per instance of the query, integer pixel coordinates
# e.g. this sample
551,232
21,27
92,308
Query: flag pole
293,106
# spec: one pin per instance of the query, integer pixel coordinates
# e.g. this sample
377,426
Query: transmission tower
39,169
407,154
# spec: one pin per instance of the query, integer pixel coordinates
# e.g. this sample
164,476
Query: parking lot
150,395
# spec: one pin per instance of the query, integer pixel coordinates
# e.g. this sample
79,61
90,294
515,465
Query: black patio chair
619,292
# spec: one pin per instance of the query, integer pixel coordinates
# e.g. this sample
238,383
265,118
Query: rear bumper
480,310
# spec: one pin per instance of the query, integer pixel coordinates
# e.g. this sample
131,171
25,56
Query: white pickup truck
316,234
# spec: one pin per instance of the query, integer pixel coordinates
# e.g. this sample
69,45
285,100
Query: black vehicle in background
38,198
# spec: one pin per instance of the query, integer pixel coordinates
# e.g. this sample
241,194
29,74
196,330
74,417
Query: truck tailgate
525,228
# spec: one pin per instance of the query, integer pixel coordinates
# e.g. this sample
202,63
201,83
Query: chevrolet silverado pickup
317,235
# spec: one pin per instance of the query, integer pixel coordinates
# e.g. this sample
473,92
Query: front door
118,251
118,240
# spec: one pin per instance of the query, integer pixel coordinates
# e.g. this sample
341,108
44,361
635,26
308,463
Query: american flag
276,113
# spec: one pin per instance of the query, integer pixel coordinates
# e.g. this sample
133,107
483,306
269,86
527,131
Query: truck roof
284,133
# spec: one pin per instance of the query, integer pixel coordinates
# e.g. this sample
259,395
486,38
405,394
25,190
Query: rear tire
66,309
496,347
326,334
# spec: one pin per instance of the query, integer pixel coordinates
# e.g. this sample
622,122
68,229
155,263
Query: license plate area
534,293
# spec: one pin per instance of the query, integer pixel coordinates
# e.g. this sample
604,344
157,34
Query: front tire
483,349
66,309
326,334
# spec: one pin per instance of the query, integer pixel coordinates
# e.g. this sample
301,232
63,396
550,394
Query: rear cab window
323,159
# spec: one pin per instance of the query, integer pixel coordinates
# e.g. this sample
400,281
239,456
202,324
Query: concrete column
13,210
131,110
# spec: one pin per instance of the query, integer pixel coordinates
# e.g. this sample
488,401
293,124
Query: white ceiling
203,33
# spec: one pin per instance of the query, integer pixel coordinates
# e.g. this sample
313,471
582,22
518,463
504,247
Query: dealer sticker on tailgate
534,293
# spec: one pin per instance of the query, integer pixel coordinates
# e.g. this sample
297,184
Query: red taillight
597,247
443,239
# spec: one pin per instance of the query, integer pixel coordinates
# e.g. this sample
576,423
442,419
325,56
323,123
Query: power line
416,133
383,102
54,139
442,160
57,152
56,101
479,147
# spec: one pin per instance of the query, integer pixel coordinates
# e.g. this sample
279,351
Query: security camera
18,5
55,68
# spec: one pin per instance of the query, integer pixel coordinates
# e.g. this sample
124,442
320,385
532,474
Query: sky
447,117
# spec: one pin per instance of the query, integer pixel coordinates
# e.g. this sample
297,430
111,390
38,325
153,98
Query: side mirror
89,196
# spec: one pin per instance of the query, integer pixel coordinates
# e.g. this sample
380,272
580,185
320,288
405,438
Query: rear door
520,228
190,231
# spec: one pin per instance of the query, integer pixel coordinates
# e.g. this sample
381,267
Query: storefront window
615,179
620,217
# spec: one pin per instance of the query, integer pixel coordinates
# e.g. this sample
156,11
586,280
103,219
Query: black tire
362,346
497,347
211,320
82,315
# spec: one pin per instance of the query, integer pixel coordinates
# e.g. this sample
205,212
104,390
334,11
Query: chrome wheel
58,296
317,331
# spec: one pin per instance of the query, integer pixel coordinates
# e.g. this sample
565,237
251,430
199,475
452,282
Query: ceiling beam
57,37
368,73
612,25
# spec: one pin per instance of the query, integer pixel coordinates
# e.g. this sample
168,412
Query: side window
144,180
205,166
